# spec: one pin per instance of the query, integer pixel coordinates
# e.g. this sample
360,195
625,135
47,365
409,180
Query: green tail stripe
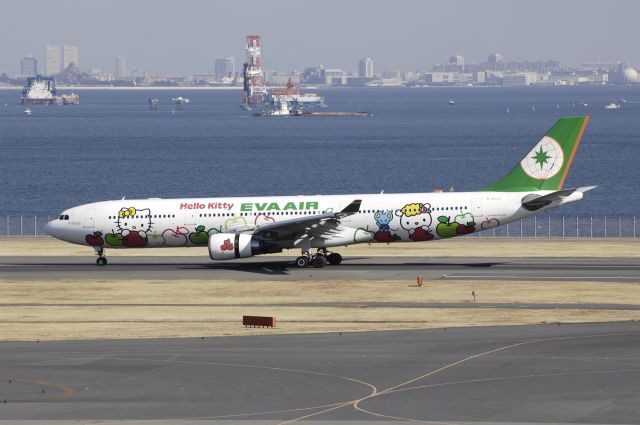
545,167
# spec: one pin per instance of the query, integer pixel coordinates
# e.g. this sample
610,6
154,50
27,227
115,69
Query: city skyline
409,36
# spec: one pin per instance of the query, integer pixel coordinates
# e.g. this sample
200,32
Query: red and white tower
255,91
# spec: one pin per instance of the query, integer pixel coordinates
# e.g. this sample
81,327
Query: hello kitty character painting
416,219
134,225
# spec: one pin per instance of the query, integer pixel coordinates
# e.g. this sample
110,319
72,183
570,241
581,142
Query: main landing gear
320,259
101,260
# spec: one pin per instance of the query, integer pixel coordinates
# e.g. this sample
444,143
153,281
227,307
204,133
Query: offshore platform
255,91
279,101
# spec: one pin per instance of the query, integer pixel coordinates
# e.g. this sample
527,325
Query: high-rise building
69,56
457,60
51,60
365,68
28,66
225,68
496,58
121,67
496,62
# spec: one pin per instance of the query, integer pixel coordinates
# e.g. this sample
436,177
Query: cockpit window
63,217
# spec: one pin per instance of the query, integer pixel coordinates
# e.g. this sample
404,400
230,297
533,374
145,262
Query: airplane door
89,218
476,207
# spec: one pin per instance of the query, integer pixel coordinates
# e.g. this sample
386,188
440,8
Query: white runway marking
518,277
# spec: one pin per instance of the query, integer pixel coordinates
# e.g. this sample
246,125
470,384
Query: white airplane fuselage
404,217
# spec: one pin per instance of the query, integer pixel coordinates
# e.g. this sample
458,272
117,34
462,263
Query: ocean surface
112,145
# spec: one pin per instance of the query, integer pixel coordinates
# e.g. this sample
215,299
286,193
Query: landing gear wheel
302,261
319,260
101,261
334,258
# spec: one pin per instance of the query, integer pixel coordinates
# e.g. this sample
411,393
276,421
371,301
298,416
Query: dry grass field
97,309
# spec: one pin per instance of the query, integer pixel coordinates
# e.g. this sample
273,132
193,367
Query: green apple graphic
445,228
362,235
114,239
199,237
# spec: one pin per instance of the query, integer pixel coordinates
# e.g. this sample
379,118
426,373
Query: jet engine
228,246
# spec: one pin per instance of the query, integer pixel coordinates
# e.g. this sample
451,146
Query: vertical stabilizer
546,166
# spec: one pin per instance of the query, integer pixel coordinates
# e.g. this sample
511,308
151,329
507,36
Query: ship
39,90
296,98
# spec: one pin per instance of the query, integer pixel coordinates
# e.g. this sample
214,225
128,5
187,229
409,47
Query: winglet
352,208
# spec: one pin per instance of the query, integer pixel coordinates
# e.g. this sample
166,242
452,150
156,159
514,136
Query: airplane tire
101,261
302,262
334,259
319,260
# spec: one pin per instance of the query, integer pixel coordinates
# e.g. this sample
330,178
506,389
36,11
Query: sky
184,37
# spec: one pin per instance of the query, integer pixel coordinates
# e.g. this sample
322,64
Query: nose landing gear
101,260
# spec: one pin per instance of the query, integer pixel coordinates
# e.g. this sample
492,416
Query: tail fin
546,166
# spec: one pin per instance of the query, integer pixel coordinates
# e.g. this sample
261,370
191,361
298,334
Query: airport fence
536,227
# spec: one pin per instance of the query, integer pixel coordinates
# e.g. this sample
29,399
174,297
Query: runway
367,268
586,373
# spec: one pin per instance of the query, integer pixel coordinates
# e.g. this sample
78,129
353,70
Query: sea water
112,146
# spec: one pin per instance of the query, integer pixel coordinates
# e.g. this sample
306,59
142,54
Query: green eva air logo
544,160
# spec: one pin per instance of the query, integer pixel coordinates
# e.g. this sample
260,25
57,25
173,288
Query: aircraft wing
535,202
323,224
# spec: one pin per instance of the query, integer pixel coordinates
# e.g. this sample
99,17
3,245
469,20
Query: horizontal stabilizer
533,202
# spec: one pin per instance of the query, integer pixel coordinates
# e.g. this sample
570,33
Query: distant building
28,66
496,58
69,56
334,77
495,62
392,75
447,78
457,60
51,60
520,79
281,79
121,67
365,68
225,68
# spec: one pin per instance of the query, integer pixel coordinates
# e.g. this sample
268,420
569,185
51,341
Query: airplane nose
50,228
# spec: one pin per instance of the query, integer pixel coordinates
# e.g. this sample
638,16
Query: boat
67,99
452,102
27,112
39,90
180,100
612,105
296,98
277,108
153,103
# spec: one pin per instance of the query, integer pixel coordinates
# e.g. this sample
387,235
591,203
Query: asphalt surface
587,373
368,268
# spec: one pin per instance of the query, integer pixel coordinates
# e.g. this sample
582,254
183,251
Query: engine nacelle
229,246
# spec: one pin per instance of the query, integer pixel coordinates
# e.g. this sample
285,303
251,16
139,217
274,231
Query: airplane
241,227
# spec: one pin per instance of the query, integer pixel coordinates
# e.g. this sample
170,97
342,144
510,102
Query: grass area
80,309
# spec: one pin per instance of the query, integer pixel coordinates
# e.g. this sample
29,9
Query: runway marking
66,391
517,277
465,360
356,403
507,378
338,404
